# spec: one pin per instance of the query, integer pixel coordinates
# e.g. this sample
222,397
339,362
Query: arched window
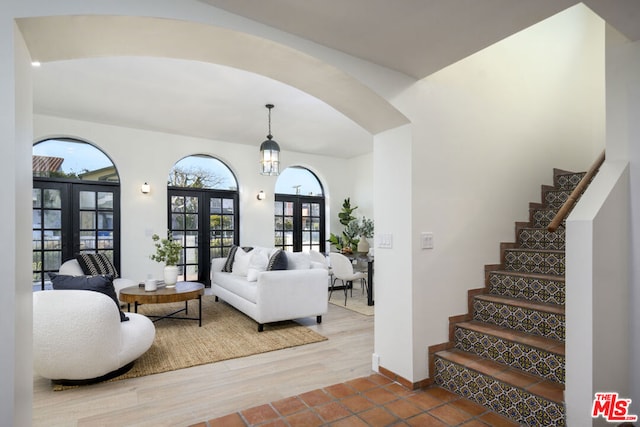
76,205
203,213
299,211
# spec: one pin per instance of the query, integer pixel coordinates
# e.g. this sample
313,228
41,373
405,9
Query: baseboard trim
403,381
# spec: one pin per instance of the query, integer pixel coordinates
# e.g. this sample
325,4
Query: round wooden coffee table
183,291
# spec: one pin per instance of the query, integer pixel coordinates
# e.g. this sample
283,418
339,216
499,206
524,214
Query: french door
299,223
206,223
73,218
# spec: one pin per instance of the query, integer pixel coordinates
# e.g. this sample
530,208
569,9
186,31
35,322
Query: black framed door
299,223
206,223
69,218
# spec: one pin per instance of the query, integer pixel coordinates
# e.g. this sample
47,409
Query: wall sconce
261,195
145,188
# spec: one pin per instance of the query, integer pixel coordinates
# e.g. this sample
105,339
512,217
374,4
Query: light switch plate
426,239
385,241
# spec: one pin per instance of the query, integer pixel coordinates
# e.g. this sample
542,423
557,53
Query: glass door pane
222,226
184,228
47,227
298,223
96,225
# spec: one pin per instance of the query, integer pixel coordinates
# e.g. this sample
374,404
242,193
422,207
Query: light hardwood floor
188,396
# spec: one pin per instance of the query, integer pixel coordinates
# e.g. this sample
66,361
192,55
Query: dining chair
343,270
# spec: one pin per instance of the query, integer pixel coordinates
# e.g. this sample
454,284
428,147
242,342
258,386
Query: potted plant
347,242
167,252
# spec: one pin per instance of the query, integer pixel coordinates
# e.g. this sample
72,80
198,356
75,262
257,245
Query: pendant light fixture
269,152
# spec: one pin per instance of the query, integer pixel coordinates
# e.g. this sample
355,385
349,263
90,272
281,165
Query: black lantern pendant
269,152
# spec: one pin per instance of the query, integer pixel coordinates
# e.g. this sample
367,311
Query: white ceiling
416,37
195,99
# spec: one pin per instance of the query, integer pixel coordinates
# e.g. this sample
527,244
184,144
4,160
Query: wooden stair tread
554,251
532,275
517,302
535,385
543,343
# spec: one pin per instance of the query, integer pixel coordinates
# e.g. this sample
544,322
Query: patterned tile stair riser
535,261
545,289
536,238
545,324
519,405
533,360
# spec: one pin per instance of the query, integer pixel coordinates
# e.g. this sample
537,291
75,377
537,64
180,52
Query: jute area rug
225,334
357,302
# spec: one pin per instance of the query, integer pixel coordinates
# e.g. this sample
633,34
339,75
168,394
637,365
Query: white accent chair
78,337
343,270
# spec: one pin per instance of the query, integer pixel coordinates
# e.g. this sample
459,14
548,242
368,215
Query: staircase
507,353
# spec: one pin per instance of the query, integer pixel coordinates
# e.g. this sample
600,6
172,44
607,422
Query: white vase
170,275
363,245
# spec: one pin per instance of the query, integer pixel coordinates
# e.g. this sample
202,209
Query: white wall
16,373
143,156
487,132
623,144
603,237
393,287
597,285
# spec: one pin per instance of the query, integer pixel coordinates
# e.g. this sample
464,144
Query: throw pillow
258,263
241,263
95,264
102,284
298,261
277,261
228,265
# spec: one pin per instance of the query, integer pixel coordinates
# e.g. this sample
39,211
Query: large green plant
348,241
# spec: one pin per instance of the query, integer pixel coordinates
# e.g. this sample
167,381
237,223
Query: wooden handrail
575,194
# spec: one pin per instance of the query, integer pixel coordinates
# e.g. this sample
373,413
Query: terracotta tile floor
370,401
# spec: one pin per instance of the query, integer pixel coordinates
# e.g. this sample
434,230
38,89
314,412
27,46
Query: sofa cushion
241,262
228,265
101,283
298,261
277,260
258,263
237,285
95,264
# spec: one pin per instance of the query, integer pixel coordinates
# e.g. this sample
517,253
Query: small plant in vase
167,252
365,231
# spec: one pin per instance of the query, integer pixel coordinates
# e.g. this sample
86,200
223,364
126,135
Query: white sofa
78,337
72,268
300,291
